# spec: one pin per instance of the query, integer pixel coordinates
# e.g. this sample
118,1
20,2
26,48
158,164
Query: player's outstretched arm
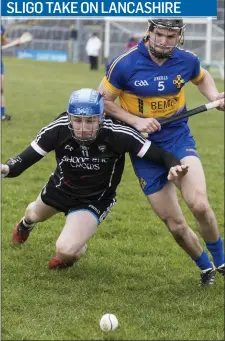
207,87
18,164
125,139
168,160
152,152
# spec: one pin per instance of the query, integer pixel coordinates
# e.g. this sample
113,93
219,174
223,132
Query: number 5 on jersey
161,86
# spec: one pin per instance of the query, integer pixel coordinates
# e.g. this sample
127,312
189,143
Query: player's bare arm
112,108
208,88
147,125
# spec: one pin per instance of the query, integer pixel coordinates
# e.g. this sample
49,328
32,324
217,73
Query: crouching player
90,154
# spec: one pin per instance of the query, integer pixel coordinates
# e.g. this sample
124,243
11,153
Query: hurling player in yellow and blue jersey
149,81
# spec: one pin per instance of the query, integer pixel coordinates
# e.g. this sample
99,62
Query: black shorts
61,201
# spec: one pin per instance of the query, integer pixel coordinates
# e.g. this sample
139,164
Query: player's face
85,127
163,40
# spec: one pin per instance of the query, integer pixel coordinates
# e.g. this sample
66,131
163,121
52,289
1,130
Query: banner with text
46,8
52,56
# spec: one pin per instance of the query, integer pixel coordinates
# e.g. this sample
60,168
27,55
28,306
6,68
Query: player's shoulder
62,117
60,121
185,54
56,129
125,60
108,120
115,126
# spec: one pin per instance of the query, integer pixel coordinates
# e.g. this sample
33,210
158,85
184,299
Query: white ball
108,323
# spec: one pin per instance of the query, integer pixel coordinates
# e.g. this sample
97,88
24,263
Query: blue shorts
153,177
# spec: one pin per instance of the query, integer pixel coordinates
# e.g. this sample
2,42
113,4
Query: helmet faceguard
85,113
166,26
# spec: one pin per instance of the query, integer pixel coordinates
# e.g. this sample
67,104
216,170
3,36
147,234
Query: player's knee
31,214
177,226
199,206
67,251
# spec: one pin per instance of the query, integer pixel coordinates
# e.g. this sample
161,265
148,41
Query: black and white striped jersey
89,172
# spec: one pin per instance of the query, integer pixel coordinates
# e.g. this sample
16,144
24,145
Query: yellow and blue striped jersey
146,89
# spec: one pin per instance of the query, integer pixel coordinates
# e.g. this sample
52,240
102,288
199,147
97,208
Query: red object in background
131,43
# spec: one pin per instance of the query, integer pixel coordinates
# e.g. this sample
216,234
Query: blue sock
203,261
2,111
217,251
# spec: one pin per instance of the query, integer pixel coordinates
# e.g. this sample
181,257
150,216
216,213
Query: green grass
133,268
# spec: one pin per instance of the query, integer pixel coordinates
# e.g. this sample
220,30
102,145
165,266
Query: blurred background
64,40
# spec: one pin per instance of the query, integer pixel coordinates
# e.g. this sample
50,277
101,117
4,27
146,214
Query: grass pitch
133,268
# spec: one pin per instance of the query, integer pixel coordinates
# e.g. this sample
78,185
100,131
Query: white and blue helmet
85,103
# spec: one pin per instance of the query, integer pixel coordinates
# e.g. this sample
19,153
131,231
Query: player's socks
203,262
2,111
4,117
217,251
27,226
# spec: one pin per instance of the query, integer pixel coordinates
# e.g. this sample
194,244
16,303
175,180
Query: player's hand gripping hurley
192,112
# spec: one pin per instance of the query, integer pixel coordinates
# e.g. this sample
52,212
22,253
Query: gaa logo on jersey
178,81
102,148
141,83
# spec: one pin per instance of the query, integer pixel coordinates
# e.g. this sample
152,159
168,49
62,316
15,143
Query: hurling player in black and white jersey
90,154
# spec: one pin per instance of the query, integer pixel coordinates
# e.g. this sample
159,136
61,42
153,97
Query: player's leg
4,116
91,62
36,211
163,199
2,93
96,63
166,206
193,189
162,196
81,224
